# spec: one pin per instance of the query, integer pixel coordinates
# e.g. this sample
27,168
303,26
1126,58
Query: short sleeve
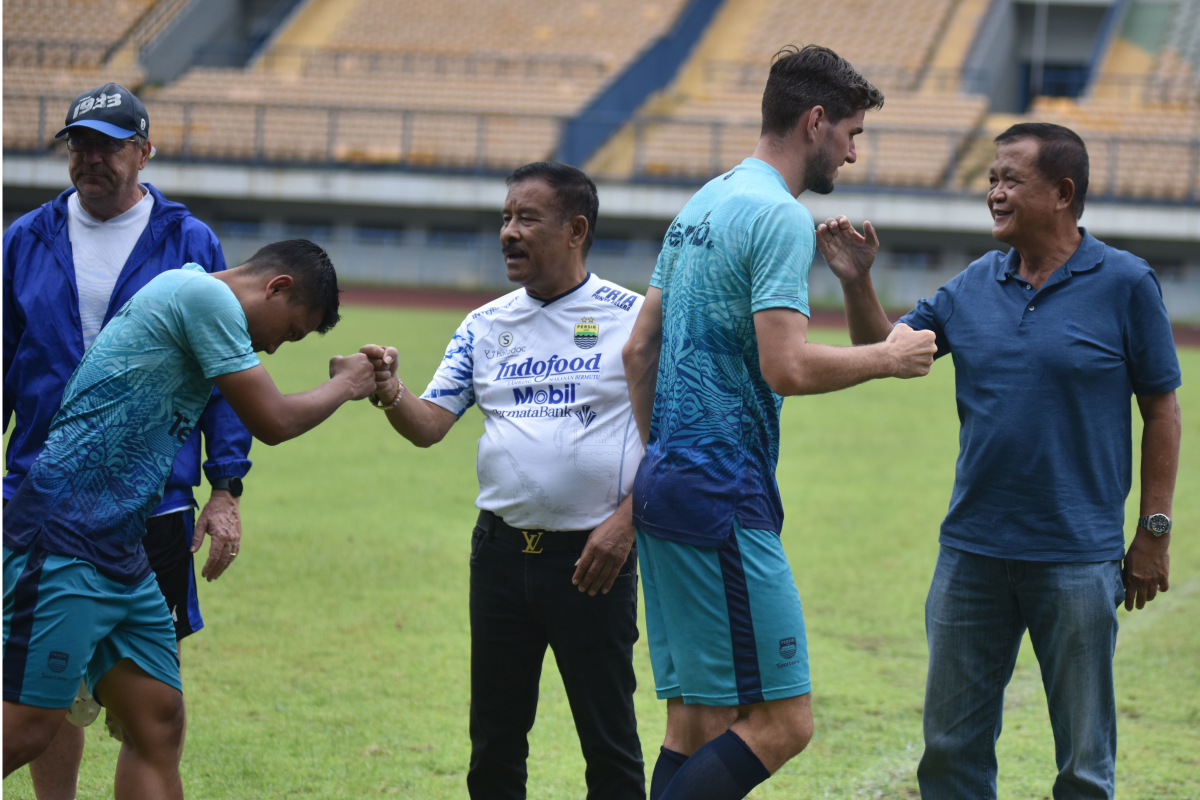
215,326
780,242
453,385
932,314
1149,344
656,278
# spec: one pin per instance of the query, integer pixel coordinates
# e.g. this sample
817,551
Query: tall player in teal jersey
80,600
719,342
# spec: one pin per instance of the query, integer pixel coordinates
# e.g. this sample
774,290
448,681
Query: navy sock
724,769
665,768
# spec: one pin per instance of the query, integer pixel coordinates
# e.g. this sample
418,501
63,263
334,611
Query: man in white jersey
552,555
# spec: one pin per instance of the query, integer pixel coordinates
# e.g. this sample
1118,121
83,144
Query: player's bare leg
690,727
113,723
152,721
55,773
28,731
776,731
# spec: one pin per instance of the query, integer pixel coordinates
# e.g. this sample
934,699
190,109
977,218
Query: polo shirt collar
1087,256
762,166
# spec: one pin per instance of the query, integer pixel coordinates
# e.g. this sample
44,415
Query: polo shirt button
1029,286
1031,308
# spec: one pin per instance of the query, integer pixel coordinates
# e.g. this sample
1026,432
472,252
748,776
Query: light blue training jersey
125,414
742,244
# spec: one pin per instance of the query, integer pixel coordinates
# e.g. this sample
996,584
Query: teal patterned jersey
742,244
126,412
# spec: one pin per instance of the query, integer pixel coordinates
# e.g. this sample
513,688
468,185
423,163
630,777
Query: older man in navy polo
1049,343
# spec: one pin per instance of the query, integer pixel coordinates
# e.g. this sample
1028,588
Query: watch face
1159,523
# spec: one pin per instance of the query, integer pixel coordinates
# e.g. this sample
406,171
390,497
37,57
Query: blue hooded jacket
43,341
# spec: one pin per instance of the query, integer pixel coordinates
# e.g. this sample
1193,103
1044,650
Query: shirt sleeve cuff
1151,389
236,468
780,301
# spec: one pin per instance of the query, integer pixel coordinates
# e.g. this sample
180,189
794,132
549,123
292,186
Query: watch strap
231,485
1144,522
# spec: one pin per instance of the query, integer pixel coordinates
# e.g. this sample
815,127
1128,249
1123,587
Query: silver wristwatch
1158,524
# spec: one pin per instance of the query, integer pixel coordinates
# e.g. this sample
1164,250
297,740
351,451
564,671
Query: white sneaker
85,709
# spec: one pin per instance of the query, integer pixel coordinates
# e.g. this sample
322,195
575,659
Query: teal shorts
725,624
64,621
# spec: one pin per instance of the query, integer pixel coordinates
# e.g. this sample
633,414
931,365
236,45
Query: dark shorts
168,543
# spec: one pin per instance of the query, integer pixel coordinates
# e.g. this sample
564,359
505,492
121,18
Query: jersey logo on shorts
57,661
587,333
787,647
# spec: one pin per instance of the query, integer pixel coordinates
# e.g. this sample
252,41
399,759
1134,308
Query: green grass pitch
335,658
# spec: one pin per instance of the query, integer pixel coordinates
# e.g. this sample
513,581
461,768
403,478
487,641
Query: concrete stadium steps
950,53
898,32
465,93
708,119
311,28
453,120
386,83
614,30
157,19
73,21
60,48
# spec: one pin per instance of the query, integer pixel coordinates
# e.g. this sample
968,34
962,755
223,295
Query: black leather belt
533,541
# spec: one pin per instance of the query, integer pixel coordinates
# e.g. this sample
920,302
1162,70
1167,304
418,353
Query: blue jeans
977,612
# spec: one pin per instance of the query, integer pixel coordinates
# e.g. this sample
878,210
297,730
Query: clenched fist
357,370
912,351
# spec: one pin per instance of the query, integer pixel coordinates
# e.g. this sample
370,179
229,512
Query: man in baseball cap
69,267
112,110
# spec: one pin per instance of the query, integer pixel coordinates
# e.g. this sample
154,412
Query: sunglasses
103,144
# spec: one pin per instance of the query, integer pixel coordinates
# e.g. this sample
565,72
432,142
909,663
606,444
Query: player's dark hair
802,78
576,192
309,266
1061,154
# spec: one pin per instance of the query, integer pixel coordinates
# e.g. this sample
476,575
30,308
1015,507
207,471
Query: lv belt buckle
532,538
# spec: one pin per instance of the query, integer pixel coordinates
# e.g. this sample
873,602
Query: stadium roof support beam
583,135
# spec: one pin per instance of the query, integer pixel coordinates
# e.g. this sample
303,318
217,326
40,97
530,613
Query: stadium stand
709,120
471,86
56,49
388,84
67,33
1140,117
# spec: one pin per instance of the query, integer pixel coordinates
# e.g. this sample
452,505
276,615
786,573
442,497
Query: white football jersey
560,446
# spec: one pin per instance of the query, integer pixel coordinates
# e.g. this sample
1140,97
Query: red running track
455,300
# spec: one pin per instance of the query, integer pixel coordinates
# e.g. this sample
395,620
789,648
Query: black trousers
520,603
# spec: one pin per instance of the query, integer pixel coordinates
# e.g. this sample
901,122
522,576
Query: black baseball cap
109,109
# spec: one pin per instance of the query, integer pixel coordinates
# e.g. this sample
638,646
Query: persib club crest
587,333
787,647
57,660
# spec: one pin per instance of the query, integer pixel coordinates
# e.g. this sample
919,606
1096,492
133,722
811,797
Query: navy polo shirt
1044,381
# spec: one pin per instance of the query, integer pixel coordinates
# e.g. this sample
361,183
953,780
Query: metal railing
752,76
53,53
316,133
715,156
895,156
1151,88
1118,160
318,61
